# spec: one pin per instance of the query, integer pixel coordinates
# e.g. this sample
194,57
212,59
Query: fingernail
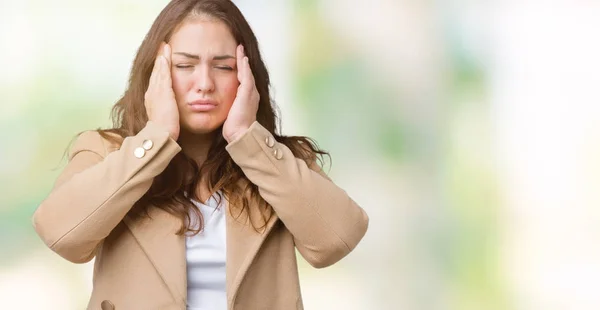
166,50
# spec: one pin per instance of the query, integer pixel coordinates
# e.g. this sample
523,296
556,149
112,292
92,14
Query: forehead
203,36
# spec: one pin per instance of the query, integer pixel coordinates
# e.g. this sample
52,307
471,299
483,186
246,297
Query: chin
201,126
197,129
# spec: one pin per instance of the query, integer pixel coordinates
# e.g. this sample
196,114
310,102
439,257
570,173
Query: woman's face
204,74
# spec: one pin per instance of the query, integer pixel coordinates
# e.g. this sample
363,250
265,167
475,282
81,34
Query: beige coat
141,264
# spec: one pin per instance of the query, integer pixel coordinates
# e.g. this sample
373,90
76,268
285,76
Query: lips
202,105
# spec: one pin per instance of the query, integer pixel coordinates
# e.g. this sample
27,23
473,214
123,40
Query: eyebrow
192,56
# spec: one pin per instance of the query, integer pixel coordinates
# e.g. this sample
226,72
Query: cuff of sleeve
157,132
247,143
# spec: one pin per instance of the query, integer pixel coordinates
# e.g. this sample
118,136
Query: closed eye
183,66
228,68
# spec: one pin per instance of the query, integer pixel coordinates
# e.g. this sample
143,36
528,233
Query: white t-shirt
205,255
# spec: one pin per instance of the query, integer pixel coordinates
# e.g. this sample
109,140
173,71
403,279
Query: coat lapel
165,249
243,242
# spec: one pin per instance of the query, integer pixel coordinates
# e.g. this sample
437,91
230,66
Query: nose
203,80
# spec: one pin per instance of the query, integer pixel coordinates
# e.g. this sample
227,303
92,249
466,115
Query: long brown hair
182,175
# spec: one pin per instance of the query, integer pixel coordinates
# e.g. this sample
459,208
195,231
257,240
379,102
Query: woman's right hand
159,100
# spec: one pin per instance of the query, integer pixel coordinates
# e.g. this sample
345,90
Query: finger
248,71
240,61
165,72
160,52
247,79
167,54
157,60
243,67
240,52
244,73
161,49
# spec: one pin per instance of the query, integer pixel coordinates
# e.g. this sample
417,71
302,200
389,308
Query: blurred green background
468,131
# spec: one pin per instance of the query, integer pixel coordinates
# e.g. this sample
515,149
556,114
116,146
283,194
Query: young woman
192,200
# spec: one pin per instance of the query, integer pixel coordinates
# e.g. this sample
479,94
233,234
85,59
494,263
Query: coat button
107,305
139,152
277,153
269,141
147,144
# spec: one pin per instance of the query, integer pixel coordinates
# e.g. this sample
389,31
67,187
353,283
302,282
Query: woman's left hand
243,110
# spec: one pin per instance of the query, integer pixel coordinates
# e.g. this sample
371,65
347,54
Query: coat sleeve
325,222
97,188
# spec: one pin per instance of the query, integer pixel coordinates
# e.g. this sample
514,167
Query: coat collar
157,237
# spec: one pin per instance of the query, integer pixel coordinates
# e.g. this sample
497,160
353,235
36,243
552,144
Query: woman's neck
196,147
